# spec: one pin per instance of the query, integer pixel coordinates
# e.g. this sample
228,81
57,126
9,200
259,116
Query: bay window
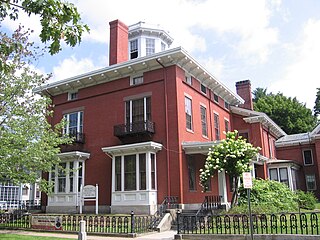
134,172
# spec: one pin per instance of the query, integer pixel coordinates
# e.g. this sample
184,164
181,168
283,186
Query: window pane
150,46
80,173
203,112
307,156
217,126
311,182
284,175
62,177
118,173
71,177
142,171
191,172
130,172
134,49
226,124
273,174
188,110
153,171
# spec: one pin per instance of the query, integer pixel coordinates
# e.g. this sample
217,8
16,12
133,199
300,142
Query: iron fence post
178,221
132,222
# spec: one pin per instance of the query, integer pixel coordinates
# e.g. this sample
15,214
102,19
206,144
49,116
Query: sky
273,43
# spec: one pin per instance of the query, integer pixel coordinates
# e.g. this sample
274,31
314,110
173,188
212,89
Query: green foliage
316,108
306,200
60,21
266,193
291,115
231,155
28,143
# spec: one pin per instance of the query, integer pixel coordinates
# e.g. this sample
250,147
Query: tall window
203,112
134,49
311,182
191,173
71,173
283,172
203,89
163,46
307,157
138,110
150,46
153,171
142,171
118,173
188,110
216,126
65,177
62,178
226,126
273,174
130,172
74,123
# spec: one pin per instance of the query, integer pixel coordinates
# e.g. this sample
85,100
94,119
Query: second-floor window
74,123
150,46
226,125
307,157
134,49
203,112
188,110
216,126
138,110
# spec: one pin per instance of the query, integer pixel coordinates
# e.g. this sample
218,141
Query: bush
269,197
306,200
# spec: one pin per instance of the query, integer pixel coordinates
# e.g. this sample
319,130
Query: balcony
76,145
143,129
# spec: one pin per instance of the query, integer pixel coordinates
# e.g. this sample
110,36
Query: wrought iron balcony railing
142,127
78,137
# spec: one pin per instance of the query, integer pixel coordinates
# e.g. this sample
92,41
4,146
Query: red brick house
304,150
144,124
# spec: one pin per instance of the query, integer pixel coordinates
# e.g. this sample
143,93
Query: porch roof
73,155
198,147
133,148
283,162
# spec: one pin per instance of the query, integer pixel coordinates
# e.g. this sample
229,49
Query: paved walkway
167,235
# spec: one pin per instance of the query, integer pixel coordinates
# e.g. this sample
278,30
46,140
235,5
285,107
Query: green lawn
24,237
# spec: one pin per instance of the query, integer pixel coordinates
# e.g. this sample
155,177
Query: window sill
189,130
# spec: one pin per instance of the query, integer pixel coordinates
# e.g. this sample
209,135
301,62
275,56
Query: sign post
247,183
89,193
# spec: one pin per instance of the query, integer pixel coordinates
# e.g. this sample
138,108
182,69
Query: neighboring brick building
303,149
144,124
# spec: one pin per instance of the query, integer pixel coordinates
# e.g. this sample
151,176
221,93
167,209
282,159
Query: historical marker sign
247,180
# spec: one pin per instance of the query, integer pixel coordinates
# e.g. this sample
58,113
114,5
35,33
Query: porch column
223,187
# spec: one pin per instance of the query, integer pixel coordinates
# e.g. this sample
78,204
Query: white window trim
188,79
70,95
304,161
206,119
67,126
132,78
202,85
315,182
188,96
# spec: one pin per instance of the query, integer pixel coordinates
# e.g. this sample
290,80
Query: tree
232,155
28,143
316,108
291,115
60,21
259,93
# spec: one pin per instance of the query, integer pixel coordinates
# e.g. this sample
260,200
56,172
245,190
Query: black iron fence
94,223
287,223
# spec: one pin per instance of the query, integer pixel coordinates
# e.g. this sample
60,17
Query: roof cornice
176,56
251,116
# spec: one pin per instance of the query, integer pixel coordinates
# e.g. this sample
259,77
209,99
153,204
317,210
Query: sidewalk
167,235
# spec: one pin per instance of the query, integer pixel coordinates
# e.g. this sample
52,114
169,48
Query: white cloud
302,76
248,20
71,67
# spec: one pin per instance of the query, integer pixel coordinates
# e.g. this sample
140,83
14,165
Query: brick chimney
244,91
118,48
